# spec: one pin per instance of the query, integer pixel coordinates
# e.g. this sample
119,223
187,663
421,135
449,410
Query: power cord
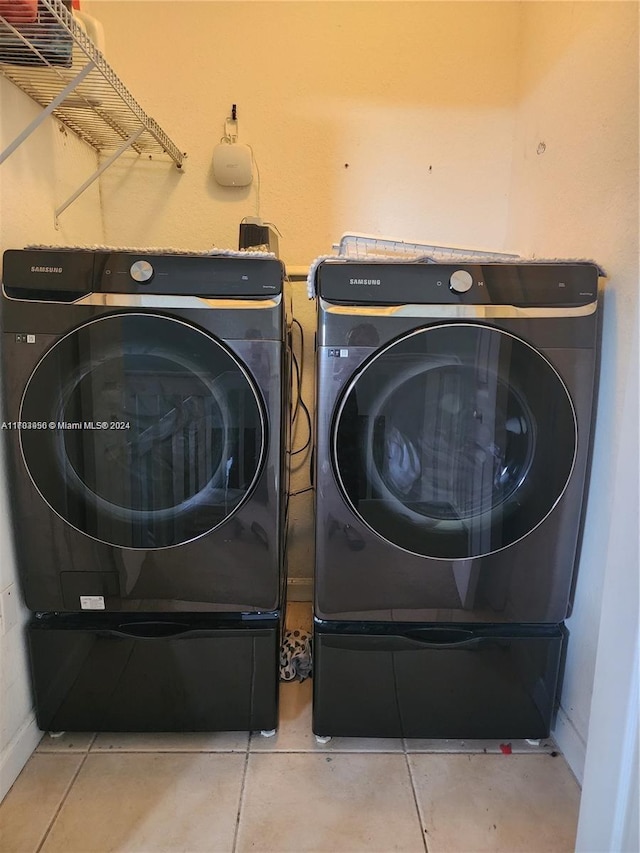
300,404
301,491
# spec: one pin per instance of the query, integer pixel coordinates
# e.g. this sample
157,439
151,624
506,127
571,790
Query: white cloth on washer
157,250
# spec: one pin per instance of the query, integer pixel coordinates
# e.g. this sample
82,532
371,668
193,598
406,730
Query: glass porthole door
151,433
454,441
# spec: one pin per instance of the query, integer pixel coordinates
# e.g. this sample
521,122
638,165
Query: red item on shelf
46,41
19,11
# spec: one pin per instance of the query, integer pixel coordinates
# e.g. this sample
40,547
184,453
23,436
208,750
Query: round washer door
151,434
454,441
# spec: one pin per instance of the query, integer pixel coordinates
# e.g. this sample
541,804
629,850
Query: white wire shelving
356,245
57,65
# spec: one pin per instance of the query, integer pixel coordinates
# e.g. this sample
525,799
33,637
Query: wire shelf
55,63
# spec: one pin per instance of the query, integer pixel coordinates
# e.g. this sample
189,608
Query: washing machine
146,429
454,419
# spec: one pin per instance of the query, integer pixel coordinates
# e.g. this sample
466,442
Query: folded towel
225,253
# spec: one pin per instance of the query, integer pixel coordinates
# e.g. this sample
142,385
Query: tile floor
242,792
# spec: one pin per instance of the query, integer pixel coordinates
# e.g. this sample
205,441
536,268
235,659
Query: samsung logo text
368,281
46,269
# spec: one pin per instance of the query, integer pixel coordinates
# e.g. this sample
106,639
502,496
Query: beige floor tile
294,730
496,803
31,804
151,803
67,742
171,742
328,804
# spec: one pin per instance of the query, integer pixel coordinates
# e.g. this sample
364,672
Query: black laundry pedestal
404,680
110,672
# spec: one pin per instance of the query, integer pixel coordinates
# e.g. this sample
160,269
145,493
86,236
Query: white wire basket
355,245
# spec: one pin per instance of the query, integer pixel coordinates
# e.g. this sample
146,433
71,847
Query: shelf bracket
47,111
125,145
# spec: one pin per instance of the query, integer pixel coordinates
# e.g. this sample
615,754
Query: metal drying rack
57,65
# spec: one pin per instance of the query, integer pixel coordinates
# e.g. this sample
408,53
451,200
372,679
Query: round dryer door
454,441
153,432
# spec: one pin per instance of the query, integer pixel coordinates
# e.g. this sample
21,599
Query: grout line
134,751
318,750
241,797
63,800
239,750
421,822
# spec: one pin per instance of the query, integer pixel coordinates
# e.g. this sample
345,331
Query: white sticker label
31,339
92,602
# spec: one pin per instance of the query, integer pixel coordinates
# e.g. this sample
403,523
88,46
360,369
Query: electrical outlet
9,608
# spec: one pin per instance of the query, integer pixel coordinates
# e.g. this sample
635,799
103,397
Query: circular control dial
141,271
461,281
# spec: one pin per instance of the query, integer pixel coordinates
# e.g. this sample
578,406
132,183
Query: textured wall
395,118
575,194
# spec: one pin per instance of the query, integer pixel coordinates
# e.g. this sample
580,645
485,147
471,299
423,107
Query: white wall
417,98
36,179
609,804
578,96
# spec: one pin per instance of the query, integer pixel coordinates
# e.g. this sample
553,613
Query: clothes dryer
454,416
145,420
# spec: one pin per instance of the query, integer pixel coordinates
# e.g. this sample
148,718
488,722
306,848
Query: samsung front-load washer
454,416
145,423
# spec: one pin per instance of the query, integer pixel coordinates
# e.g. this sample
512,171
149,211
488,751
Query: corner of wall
571,743
36,178
17,752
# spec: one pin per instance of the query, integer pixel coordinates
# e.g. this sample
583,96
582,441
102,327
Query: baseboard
17,753
300,589
571,743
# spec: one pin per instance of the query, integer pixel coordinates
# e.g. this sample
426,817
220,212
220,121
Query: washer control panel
525,284
141,271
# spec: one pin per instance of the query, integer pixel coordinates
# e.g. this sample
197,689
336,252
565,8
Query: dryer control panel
519,284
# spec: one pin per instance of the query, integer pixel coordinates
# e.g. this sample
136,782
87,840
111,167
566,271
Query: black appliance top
521,284
65,275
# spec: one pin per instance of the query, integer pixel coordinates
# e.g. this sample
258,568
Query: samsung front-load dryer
453,430
144,421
